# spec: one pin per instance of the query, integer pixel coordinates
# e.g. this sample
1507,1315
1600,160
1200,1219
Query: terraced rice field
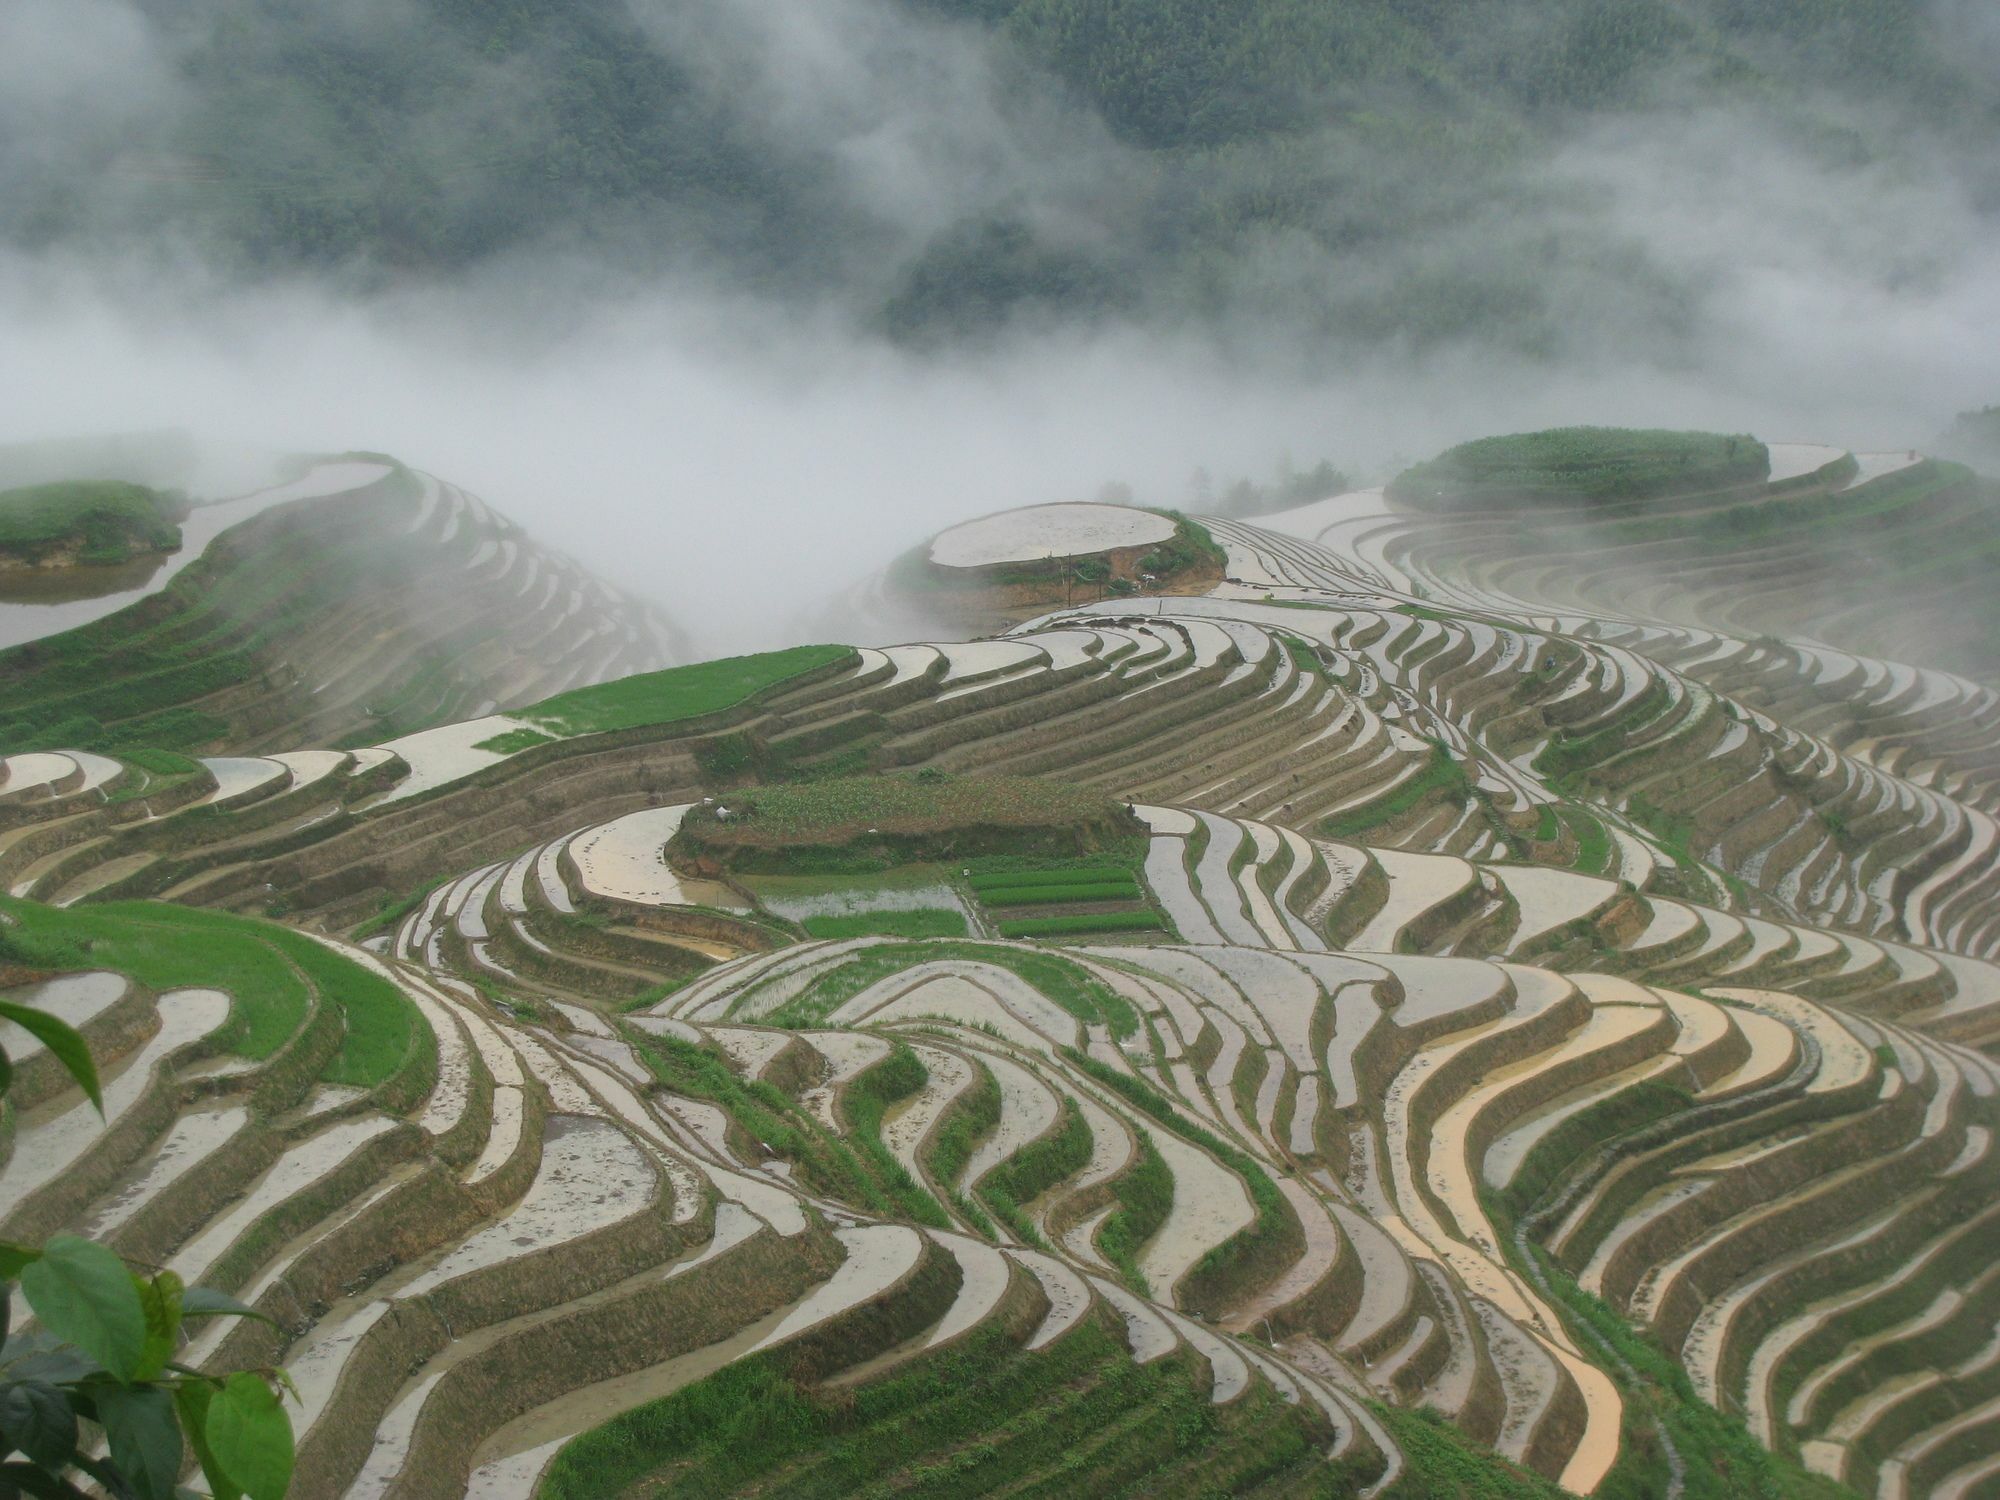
1558,1056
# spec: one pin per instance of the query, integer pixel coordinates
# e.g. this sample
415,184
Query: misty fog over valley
868,267
1000,747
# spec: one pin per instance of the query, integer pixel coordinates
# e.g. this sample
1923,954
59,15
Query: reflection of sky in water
46,586
848,900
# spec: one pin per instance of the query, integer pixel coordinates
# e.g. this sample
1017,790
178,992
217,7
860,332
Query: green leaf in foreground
64,1042
192,1399
84,1295
207,1302
144,1437
36,1418
161,1298
250,1436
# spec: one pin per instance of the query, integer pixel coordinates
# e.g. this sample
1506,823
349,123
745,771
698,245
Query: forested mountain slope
1173,160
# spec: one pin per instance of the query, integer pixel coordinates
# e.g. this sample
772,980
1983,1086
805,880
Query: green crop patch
983,881
1053,895
382,1024
1080,923
677,693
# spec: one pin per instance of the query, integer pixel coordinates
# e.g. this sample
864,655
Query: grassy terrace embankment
874,822
270,973
677,693
84,521
981,1418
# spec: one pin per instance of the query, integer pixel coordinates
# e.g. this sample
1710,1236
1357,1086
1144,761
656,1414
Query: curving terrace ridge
1526,978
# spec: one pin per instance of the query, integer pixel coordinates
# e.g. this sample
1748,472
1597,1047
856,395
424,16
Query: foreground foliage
102,1352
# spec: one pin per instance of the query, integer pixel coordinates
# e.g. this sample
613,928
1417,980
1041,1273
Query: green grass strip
1038,1166
1050,895
1069,985
972,1117
865,1100
1441,776
1145,1194
382,1024
1274,1218
1081,922
677,693
1083,874
822,1160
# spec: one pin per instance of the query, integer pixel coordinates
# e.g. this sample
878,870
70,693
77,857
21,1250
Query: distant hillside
1890,554
366,601
1220,157
1974,439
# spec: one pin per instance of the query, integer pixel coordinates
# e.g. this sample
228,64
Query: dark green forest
1341,168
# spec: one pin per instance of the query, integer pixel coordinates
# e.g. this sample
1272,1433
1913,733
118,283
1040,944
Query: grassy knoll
1581,466
91,521
984,1417
677,693
873,822
265,969
1190,550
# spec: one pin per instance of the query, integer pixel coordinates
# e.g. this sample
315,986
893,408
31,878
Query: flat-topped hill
87,522
984,575
878,820
1586,466
1040,531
